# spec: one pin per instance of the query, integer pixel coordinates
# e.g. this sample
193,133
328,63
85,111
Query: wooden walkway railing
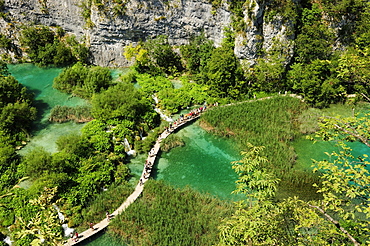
139,187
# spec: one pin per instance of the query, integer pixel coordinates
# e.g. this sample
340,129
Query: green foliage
268,75
196,53
318,82
168,216
44,47
105,201
82,80
5,43
44,228
255,180
353,71
122,101
145,145
155,57
16,112
36,163
315,40
151,85
223,74
3,69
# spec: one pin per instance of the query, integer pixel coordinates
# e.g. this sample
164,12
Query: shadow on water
102,238
42,109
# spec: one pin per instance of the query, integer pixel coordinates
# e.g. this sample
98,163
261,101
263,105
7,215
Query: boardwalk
139,187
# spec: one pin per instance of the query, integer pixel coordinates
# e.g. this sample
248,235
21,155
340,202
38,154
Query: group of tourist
185,117
74,236
147,169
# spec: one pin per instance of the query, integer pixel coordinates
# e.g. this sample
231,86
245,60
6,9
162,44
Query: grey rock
178,19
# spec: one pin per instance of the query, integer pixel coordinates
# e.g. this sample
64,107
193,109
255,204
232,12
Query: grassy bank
169,216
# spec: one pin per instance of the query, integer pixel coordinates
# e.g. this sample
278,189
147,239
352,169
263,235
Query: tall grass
77,114
172,141
106,201
168,216
272,123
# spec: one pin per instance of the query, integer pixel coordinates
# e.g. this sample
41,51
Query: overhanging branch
336,223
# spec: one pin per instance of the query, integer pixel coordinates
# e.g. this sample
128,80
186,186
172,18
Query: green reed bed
172,141
272,123
77,114
108,200
168,216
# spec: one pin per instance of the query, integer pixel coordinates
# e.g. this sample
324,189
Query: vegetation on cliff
46,46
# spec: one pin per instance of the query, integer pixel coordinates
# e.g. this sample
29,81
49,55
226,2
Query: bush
83,81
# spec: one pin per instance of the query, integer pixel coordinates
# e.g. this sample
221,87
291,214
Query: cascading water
159,111
7,240
66,229
129,151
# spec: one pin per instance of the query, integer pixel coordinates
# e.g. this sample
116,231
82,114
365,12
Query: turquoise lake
204,163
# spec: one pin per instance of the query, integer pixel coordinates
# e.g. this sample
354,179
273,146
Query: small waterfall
128,147
158,110
163,116
60,215
7,240
66,229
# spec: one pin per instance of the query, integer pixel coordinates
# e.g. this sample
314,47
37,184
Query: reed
168,216
272,123
172,141
78,114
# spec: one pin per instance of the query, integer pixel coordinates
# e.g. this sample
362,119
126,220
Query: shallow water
39,81
307,151
204,163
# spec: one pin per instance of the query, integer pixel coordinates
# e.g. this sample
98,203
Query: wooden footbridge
140,186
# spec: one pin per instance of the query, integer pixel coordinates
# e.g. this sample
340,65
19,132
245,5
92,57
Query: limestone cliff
107,30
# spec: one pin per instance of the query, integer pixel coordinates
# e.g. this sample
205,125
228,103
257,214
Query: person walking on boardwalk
92,226
107,215
75,238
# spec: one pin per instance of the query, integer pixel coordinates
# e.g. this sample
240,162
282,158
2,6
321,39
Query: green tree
257,221
224,75
196,53
268,74
317,82
120,101
155,56
82,80
36,163
354,71
340,218
315,38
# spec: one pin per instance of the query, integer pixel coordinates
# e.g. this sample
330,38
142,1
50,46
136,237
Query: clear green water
102,239
204,163
308,150
39,81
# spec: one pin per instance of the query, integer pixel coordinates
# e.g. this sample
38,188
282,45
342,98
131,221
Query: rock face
108,32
